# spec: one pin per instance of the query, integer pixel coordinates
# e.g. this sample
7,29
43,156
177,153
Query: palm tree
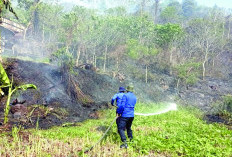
6,4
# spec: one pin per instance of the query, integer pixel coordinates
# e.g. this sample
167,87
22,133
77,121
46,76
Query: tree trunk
13,49
94,55
78,55
93,59
25,32
49,38
177,85
117,64
171,62
146,73
156,10
85,50
67,47
142,7
223,30
205,61
36,19
228,35
203,67
104,67
43,34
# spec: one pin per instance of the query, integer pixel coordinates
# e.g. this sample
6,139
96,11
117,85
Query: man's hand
119,115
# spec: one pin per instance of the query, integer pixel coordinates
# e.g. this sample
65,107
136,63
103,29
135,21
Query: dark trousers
124,123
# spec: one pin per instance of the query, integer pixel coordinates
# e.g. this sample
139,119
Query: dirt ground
64,97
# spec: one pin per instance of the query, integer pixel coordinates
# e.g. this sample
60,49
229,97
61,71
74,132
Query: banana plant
6,83
4,80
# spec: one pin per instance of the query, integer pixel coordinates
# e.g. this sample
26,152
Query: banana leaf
4,80
1,92
27,86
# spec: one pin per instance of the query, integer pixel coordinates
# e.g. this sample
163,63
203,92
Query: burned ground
67,101
71,97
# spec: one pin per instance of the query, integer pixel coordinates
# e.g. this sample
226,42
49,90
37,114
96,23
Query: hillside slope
77,95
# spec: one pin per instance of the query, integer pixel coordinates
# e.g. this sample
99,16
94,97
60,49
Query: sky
219,3
209,3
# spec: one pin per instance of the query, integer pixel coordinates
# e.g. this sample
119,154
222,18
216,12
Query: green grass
176,133
182,133
26,58
179,132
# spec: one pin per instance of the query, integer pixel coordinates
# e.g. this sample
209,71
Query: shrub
227,103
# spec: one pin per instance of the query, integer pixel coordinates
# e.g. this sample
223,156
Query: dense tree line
184,39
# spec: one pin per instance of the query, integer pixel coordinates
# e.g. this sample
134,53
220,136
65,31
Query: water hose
89,149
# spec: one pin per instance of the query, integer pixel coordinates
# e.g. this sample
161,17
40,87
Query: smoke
102,5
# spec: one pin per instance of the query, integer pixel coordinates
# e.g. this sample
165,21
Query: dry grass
29,145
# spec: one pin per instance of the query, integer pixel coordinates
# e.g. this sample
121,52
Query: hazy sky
210,3
220,3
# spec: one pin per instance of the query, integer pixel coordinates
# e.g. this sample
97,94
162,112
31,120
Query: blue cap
122,89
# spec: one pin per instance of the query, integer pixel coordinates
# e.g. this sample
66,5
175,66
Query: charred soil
61,96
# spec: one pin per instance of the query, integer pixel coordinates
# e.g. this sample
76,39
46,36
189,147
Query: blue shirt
118,98
126,108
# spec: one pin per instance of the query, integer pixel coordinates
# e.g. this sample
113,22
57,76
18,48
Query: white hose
171,107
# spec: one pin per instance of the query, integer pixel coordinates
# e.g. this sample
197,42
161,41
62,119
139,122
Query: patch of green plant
188,72
167,33
88,130
37,124
68,124
62,112
85,101
136,73
227,102
45,111
27,58
15,132
177,133
43,60
139,74
223,107
63,58
181,133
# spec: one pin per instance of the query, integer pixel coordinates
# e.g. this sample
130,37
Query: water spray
171,107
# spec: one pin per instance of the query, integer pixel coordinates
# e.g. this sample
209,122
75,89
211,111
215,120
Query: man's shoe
124,145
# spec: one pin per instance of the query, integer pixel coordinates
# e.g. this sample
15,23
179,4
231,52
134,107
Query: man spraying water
125,113
118,96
